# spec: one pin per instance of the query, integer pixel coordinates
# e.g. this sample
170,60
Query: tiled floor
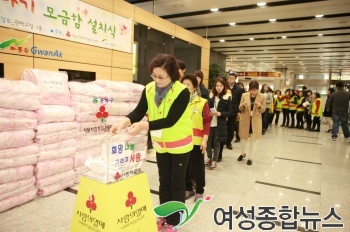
291,167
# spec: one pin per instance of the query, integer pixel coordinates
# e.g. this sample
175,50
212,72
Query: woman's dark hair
309,91
182,65
191,78
292,92
168,63
253,85
331,90
287,90
262,88
278,91
199,74
317,95
224,83
239,83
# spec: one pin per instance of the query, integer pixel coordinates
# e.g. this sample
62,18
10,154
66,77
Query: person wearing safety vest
300,110
293,107
200,115
285,98
277,105
169,122
316,112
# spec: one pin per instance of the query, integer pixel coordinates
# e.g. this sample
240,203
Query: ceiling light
318,16
148,28
251,38
320,34
214,9
283,37
222,40
272,20
232,24
173,37
261,4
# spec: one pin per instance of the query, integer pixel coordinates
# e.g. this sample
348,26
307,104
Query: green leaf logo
14,41
168,208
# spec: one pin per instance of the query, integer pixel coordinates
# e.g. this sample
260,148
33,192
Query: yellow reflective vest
196,109
178,138
314,106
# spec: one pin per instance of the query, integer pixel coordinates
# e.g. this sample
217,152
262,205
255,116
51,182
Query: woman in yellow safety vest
300,110
201,118
293,107
284,99
169,121
316,112
277,107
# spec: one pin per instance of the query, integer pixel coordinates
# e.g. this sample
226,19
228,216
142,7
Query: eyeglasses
154,77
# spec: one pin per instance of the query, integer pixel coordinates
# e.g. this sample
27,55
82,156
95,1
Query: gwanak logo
131,200
90,204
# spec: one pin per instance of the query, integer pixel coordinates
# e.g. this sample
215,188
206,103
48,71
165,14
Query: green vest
292,105
313,109
278,106
300,107
178,138
196,109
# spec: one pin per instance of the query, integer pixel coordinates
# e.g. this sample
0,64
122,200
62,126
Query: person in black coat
328,114
221,108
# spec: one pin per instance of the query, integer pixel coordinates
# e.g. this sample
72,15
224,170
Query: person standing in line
277,107
236,93
252,106
293,107
182,67
328,114
300,110
202,90
238,139
169,117
221,107
200,115
285,98
316,112
339,102
265,116
308,104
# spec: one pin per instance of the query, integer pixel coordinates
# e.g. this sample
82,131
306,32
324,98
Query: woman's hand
119,126
137,127
204,144
257,104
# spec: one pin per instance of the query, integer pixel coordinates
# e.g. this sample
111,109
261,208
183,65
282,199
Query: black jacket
236,93
225,108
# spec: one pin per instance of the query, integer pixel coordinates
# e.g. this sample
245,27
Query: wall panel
122,8
188,36
205,58
14,65
54,65
71,51
154,21
119,74
122,60
103,4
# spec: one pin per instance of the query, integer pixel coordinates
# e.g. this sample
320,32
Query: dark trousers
237,130
285,117
265,118
172,174
231,127
277,113
292,117
196,164
316,122
308,120
300,119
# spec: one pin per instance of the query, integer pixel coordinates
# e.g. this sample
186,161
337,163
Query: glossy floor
291,167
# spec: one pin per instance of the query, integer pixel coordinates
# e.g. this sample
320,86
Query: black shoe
241,157
249,162
229,146
263,132
219,160
329,130
237,140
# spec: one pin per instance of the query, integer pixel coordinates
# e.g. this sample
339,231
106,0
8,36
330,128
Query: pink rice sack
17,138
19,151
18,161
54,127
54,113
50,167
28,195
15,188
17,173
53,85
54,188
59,177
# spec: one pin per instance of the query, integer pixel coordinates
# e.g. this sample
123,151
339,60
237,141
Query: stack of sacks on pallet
18,153
91,104
56,131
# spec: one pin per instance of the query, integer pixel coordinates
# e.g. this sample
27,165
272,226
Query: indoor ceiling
241,30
